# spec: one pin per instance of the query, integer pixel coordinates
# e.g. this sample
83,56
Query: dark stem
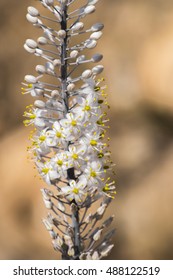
70,171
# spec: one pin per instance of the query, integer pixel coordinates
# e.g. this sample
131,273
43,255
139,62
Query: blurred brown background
138,58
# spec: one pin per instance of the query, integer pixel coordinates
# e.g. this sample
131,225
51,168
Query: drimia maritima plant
68,141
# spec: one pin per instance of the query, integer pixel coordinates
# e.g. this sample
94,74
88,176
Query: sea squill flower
68,143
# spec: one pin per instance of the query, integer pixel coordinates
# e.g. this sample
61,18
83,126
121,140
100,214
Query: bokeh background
138,58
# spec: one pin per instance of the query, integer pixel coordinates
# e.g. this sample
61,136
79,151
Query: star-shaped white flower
47,172
76,190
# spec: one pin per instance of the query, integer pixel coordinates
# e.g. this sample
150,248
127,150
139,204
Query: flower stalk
70,120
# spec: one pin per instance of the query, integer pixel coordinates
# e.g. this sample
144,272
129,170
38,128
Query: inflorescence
68,143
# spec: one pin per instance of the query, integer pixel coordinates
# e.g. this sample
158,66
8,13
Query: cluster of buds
69,116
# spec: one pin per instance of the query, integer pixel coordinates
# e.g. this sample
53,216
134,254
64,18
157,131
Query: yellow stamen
42,138
58,134
75,156
73,123
93,142
75,190
60,162
93,174
87,108
45,170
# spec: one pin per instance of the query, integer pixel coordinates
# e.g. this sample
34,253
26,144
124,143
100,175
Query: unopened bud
97,69
97,57
77,26
87,74
33,11
90,44
40,69
61,34
74,54
42,40
31,19
70,87
31,43
96,35
39,104
30,79
89,9
97,27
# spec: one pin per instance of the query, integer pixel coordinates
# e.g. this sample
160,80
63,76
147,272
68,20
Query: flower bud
49,67
71,252
53,234
97,235
70,87
49,2
106,251
97,69
87,74
40,69
77,26
61,206
89,9
97,27
30,50
74,54
61,34
33,11
47,224
30,79
39,104
48,203
42,40
57,62
97,57
31,19
38,52
39,91
31,43
90,44
101,209
96,35
55,93
80,59
95,256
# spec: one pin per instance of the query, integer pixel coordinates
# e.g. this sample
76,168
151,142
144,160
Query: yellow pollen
93,142
32,116
75,190
87,108
45,170
73,123
97,88
60,162
100,155
58,134
93,174
75,156
42,138
29,85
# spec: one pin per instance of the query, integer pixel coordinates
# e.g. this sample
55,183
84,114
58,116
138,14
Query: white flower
39,143
56,136
76,190
94,173
76,155
93,139
71,126
60,163
47,172
36,117
88,107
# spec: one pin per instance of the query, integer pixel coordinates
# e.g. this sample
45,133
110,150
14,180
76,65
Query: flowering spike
68,145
